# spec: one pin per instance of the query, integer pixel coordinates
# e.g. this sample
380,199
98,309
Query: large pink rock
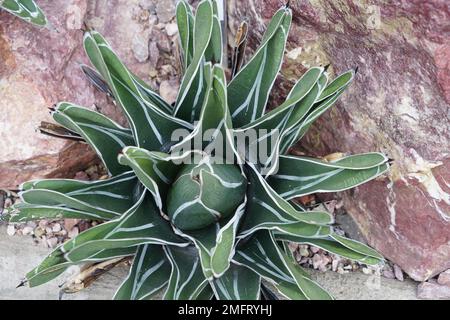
40,67
399,104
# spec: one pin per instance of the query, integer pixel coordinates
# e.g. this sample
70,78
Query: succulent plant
196,226
27,10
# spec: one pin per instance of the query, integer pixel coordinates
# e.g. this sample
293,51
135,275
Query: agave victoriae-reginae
199,227
27,10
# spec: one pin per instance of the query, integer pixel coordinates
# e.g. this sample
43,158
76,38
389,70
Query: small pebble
314,249
27,230
39,232
335,264
52,242
388,274
81,175
171,29
398,273
341,270
366,271
348,267
32,224
11,230
43,224
56,227
73,233
444,278
8,203
303,249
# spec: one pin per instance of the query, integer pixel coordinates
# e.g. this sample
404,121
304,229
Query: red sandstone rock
444,278
433,291
40,67
399,104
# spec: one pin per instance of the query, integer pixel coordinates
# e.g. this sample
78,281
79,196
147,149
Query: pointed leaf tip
22,283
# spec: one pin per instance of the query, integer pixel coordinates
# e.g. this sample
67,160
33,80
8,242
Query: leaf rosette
198,228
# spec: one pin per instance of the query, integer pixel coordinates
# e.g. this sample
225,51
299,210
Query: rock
169,90
27,230
314,249
171,29
366,271
165,10
154,55
304,250
40,67
81,175
433,291
73,233
140,46
56,227
10,230
320,262
398,104
52,242
70,223
398,273
388,274
39,232
388,271
444,278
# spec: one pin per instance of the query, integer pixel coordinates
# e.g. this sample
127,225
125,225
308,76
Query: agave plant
199,228
27,10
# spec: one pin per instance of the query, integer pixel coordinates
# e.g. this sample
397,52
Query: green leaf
108,240
185,22
298,176
271,127
304,230
154,169
215,120
267,210
352,250
29,212
290,291
150,272
322,103
151,96
107,199
152,127
224,249
27,10
187,280
342,81
105,136
192,88
216,243
357,246
260,253
238,283
213,52
55,264
140,225
249,90
310,289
